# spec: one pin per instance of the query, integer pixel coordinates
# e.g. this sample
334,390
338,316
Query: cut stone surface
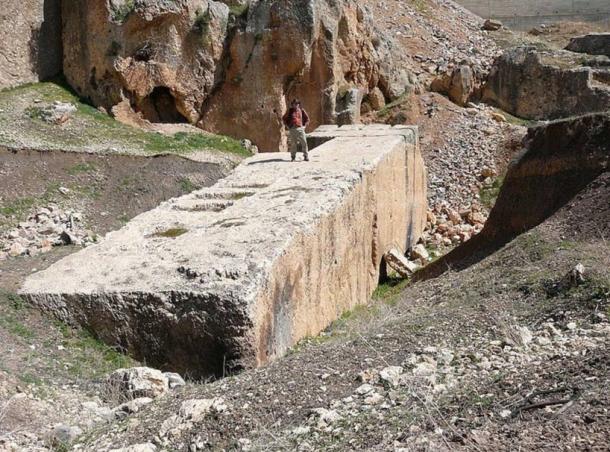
196,286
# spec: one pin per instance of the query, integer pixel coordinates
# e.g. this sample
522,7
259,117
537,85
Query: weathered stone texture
593,44
236,274
192,60
30,41
537,84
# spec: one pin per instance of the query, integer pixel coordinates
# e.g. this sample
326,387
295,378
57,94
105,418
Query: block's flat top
223,238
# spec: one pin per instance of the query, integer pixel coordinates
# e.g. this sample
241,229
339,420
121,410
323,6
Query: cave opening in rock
160,106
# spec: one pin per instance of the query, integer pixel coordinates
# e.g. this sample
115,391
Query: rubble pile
48,227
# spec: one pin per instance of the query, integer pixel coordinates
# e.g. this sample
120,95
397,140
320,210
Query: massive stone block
233,275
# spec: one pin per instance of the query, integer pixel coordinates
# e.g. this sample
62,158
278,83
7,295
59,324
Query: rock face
30,41
548,85
234,275
193,60
561,159
593,44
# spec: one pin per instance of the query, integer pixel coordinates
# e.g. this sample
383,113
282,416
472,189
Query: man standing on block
296,119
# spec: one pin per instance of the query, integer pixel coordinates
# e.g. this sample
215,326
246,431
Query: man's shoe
306,159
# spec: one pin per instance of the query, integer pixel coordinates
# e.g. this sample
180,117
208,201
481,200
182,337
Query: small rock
196,409
65,434
174,380
144,447
326,417
131,407
420,252
391,375
63,190
498,117
17,249
364,389
373,399
492,25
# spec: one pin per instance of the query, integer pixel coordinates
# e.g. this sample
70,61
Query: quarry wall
523,15
30,41
232,276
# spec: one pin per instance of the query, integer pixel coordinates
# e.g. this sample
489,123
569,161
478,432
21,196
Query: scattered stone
575,277
131,407
326,417
364,389
58,113
196,409
47,227
505,414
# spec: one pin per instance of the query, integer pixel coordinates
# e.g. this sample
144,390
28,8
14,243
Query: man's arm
305,119
286,117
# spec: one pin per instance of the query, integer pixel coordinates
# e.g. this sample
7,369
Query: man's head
295,103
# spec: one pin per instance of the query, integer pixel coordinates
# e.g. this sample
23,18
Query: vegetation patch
385,111
489,195
90,129
238,10
81,168
121,12
187,185
171,233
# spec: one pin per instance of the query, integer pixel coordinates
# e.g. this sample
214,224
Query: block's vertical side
417,192
336,266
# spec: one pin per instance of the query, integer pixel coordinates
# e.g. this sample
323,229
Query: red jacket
296,117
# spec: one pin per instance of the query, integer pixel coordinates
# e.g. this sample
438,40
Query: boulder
534,84
137,383
460,85
348,107
492,25
593,44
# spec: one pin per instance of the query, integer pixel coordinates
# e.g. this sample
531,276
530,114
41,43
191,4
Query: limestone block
294,246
